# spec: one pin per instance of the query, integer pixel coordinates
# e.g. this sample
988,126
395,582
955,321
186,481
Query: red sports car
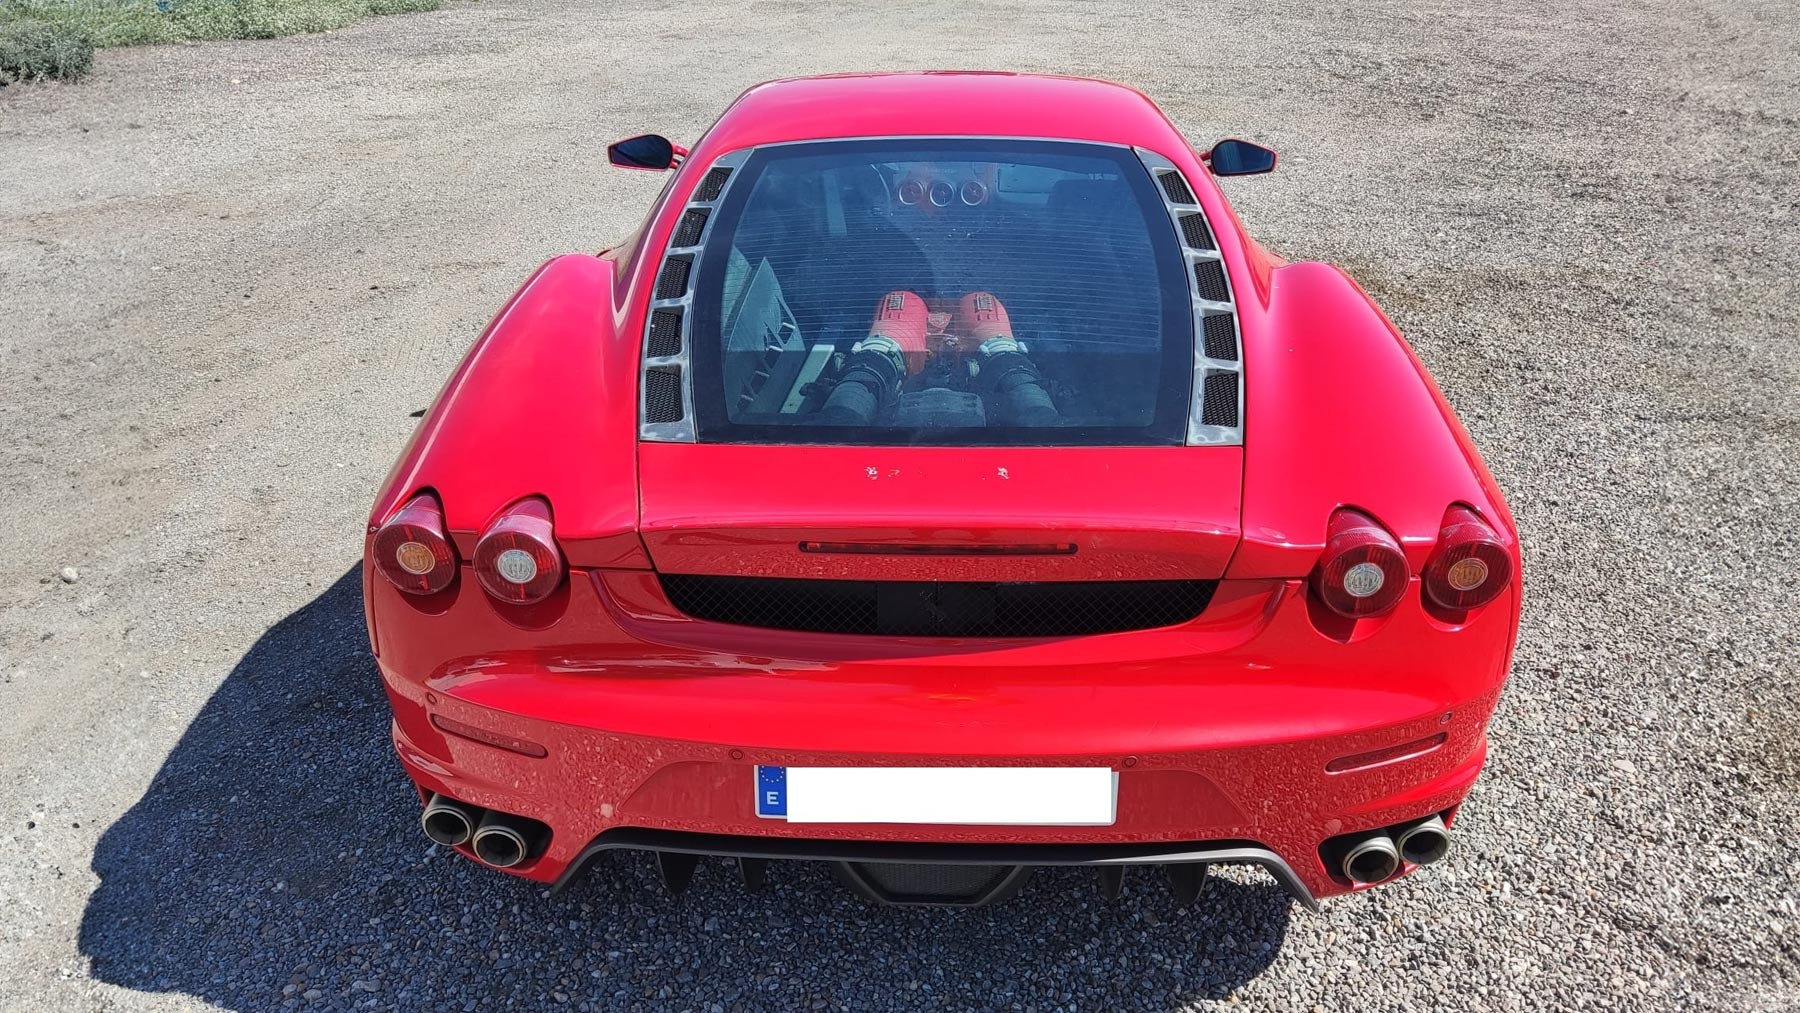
941,484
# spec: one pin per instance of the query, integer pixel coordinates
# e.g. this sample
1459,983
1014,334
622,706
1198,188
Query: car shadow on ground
275,859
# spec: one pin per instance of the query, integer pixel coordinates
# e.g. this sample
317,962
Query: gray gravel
229,273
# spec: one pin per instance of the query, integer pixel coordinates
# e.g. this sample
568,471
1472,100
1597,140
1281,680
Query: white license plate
976,796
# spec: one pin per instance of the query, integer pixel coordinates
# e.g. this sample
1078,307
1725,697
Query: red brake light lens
1363,572
1470,567
411,550
517,560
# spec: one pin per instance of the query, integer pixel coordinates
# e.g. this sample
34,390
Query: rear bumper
1229,734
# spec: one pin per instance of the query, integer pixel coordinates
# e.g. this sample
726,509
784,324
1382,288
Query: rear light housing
517,560
412,551
1362,572
1470,566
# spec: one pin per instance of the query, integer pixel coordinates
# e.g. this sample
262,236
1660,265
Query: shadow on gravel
275,861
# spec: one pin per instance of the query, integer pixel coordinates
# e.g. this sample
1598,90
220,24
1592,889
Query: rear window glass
942,291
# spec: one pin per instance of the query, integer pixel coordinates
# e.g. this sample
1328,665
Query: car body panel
1136,513
1220,728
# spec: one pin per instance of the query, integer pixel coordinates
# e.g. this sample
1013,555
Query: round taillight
517,560
1363,572
411,550
1470,566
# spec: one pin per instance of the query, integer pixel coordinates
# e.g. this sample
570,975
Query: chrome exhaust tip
1371,859
1424,842
449,822
503,840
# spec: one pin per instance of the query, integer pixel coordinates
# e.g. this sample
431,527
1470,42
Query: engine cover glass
1042,301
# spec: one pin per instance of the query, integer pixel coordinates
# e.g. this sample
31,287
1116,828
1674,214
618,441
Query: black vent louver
939,608
713,184
1176,188
693,223
673,282
1219,399
665,334
1221,337
1209,276
1195,233
662,394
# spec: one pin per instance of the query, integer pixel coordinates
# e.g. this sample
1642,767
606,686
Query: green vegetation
57,38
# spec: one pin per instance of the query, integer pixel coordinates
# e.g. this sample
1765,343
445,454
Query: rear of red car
982,503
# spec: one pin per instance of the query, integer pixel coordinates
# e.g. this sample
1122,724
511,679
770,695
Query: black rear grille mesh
1195,233
673,282
1209,275
665,333
662,394
1177,188
1221,338
939,608
1219,400
713,184
693,223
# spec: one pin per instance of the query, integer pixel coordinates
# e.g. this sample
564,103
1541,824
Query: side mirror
1232,157
645,151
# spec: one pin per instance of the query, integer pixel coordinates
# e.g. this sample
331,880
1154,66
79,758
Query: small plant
56,38
31,49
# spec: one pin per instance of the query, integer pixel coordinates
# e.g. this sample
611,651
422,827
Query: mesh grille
673,282
1219,404
1209,275
1176,188
1195,233
933,881
713,184
665,333
1221,340
693,222
662,394
939,608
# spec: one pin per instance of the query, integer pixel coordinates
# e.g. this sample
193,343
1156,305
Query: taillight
1363,572
411,550
517,559
1469,567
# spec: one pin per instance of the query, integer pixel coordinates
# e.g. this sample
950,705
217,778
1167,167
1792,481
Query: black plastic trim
912,852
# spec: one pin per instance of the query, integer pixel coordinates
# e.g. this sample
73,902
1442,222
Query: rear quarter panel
1340,412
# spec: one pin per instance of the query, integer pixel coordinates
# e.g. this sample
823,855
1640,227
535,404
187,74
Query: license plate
976,796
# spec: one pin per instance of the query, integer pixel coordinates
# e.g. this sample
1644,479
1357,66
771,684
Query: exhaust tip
503,840
1425,841
1371,860
448,822
500,847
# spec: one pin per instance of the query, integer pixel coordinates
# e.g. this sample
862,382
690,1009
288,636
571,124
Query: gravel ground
229,272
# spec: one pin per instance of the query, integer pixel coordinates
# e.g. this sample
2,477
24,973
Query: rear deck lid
941,513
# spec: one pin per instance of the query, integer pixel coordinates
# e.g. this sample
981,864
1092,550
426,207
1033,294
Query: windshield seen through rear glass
942,291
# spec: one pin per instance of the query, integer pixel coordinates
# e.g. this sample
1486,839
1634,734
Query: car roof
939,103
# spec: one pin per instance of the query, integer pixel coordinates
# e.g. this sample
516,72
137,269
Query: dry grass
56,38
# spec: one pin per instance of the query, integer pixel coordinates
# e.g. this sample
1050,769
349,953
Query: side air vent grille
1215,412
693,223
1209,277
662,394
1195,233
1220,338
938,608
666,414
1176,188
1219,405
665,334
713,185
673,282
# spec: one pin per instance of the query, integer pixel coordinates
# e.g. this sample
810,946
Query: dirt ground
230,272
